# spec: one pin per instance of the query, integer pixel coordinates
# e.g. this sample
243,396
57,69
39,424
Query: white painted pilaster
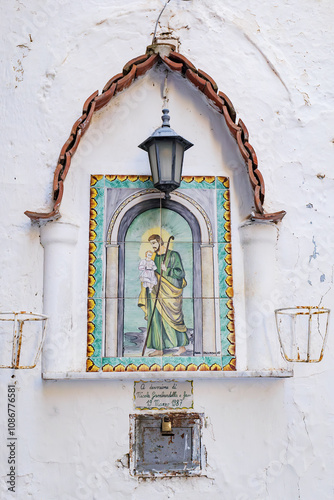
59,240
258,241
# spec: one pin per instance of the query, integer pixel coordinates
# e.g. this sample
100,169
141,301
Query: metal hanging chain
165,92
156,24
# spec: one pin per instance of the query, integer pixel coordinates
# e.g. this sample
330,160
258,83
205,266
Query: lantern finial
165,118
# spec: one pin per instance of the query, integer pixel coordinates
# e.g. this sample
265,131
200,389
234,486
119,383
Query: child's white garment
147,275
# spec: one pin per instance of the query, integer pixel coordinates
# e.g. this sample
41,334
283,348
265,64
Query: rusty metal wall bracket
19,339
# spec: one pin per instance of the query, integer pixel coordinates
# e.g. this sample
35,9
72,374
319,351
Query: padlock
166,427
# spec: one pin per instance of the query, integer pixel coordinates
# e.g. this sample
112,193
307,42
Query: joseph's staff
156,297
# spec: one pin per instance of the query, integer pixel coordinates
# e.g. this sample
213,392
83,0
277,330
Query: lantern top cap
165,132
165,118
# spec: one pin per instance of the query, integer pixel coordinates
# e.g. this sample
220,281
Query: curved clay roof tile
132,70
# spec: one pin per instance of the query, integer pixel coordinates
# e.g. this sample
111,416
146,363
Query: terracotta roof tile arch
132,70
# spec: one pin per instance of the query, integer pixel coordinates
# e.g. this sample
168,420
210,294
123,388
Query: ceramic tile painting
160,276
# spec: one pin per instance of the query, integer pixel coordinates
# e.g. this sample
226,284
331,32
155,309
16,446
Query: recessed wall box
155,453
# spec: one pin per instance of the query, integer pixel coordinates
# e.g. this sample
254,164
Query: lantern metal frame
161,137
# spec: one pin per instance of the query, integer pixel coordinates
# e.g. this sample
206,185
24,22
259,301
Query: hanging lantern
165,151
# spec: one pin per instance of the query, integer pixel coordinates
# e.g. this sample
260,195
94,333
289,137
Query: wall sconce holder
302,333
19,340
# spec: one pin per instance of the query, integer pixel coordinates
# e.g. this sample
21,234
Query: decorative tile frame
96,361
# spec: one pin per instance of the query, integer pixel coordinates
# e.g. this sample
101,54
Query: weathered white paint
265,438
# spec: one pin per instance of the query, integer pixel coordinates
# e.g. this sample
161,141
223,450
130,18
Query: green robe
167,328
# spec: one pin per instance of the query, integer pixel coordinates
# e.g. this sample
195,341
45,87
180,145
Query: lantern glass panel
152,153
179,150
165,161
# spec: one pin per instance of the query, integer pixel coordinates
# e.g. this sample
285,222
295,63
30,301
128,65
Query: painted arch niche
177,318
182,313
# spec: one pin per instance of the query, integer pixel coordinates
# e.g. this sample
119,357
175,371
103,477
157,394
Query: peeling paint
19,71
315,253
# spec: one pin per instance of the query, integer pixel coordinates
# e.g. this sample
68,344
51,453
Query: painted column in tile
208,292
111,299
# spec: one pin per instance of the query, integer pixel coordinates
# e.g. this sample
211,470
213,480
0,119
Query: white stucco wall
265,438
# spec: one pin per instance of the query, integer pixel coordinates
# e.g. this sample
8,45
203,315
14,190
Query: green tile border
97,221
117,184
202,184
98,189
96,273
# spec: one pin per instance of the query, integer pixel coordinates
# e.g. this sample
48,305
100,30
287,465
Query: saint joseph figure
166,329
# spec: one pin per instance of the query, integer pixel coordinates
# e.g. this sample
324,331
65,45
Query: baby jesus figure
147,275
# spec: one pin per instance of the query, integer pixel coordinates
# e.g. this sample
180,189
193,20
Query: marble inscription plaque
161,395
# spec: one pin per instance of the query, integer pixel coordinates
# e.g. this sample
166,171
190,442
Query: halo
145,245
